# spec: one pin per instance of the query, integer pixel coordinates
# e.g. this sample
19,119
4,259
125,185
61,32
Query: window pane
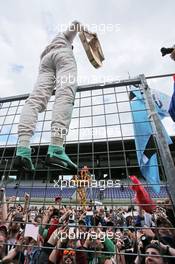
72,135
85,101
19,109
85,94
108,90
85,111
14,128
3,139
122,97
9,120
96,92
123,107
99,132
74,123
6,129
125,118
112,119
85,133
12,110
77,103
46,137
75,112
114,132
39,126
3,111
97,100
110,108
16,120
48,115
41,116
98,121
47,126
85,122
127,130
12,140
36,138
98,109
49,105
109,98
2,120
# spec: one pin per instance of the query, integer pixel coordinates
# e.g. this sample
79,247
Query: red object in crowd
52,228
142,197
69,252
58,198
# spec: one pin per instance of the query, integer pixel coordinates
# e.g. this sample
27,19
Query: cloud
16,68
28,26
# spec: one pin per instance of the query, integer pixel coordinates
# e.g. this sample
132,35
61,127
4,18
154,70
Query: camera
71,217
127,243
71,223
145,242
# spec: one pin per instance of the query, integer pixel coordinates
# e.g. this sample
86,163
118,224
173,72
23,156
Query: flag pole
159,76
164,150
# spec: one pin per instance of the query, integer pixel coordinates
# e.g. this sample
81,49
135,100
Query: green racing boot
56,156
23,159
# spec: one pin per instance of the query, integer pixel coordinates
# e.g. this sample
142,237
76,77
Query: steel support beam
164,150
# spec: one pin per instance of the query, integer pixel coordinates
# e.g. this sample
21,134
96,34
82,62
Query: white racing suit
57,69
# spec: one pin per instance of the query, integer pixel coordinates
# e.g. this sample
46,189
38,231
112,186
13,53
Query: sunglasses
69,252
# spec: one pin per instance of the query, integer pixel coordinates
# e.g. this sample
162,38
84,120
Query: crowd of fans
88,234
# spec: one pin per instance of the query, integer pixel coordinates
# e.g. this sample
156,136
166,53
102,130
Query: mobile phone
1,194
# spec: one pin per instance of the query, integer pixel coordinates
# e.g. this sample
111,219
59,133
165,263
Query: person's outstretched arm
4,205
73,29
